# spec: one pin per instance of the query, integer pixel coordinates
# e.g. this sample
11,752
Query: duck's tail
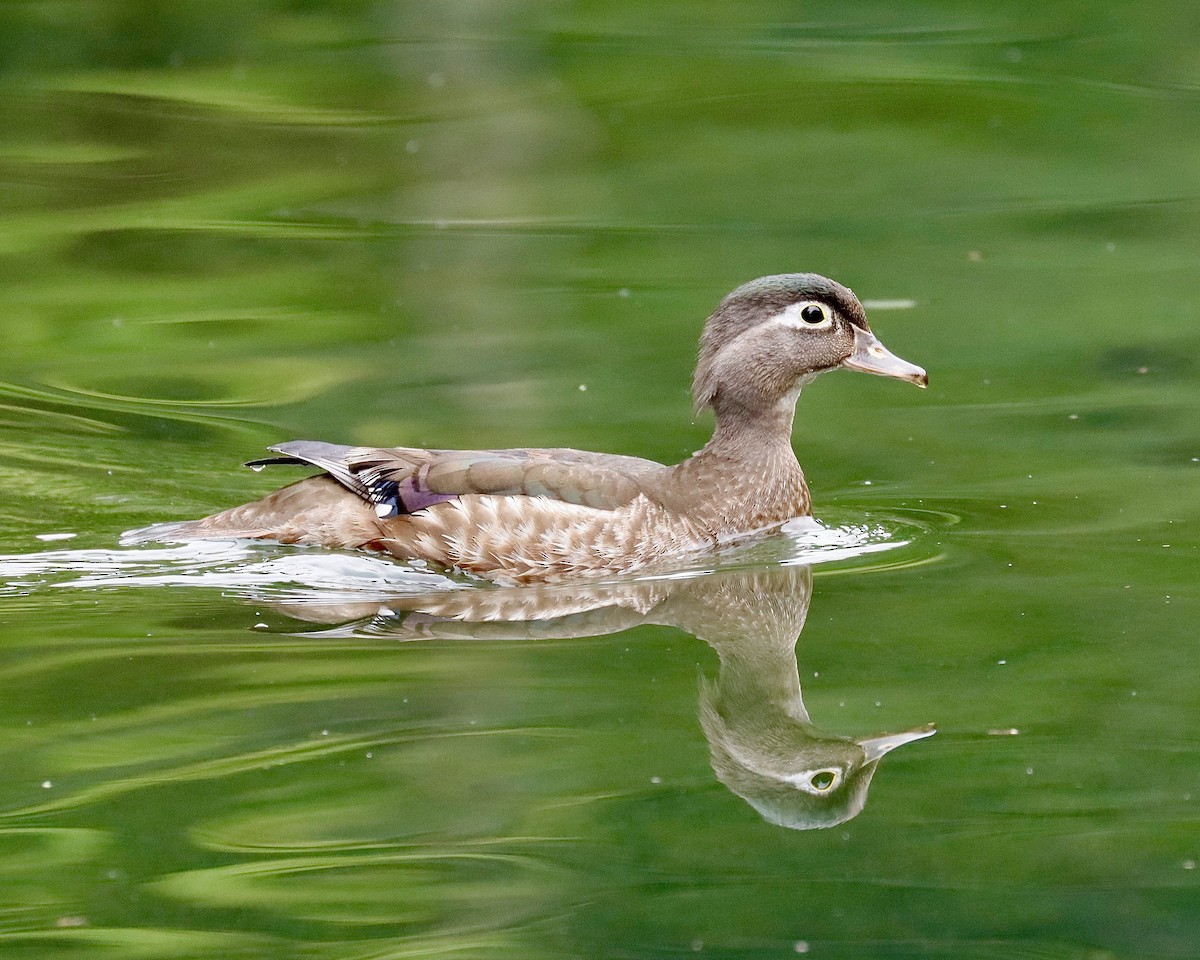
317,510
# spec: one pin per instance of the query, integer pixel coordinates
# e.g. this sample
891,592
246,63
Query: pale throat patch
787,403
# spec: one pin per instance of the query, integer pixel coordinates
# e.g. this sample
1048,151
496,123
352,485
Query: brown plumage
550,514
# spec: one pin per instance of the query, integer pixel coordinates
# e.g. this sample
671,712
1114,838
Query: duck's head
772,335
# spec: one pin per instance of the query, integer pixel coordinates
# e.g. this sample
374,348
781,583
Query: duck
554,514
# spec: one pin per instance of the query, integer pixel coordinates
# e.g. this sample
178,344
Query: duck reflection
763,745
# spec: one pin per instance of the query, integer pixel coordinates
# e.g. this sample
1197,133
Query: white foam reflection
241,567
273,571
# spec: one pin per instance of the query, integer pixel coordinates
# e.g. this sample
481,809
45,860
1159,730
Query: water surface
502,224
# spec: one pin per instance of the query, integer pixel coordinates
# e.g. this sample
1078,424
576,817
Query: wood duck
530,515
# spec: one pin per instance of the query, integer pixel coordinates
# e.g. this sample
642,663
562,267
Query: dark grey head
772,335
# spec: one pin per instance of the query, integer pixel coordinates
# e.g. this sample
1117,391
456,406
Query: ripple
276,572
240,567
853,540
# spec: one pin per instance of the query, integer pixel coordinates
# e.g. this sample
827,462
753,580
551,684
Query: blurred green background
227,224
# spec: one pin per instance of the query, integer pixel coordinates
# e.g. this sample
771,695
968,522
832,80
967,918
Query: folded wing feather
402,479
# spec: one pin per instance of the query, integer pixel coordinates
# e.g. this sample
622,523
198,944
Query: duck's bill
876,747
871,356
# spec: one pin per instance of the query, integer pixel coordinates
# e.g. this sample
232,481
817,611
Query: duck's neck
760,680
747,432
747,476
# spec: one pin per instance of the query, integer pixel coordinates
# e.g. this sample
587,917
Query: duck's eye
805,315
822,780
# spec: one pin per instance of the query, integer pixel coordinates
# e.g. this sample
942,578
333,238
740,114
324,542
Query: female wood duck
532,515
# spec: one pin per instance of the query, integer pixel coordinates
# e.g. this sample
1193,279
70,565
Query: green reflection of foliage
432,224
132,943
414,886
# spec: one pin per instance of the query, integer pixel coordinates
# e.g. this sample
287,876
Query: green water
488,224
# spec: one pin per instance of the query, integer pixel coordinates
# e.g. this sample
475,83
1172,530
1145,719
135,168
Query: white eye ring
797,315
816,782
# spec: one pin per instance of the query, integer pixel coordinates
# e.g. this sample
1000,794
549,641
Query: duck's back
522,514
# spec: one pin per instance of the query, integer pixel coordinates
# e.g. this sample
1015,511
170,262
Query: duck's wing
403,479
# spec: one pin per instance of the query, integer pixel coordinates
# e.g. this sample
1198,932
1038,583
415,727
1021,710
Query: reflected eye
814,313
816,782
822,781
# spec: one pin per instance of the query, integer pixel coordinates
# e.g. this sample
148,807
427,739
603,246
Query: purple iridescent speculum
411,498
